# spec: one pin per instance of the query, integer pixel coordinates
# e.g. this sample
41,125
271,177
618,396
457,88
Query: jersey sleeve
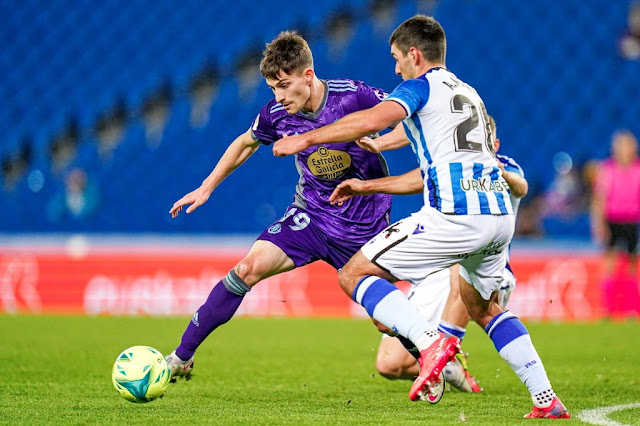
411,94
511,166
369,97
262,129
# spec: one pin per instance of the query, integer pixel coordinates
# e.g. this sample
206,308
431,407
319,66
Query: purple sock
217,310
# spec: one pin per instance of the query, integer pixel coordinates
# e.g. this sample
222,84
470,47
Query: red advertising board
148,281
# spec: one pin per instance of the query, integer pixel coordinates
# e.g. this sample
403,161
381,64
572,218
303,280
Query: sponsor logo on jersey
194,319
483,185
329,164
274,229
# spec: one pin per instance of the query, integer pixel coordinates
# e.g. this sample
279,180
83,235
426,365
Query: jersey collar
314,115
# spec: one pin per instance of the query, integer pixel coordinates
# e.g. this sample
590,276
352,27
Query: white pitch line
598,416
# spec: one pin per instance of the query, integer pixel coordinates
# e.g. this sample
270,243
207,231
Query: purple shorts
301,239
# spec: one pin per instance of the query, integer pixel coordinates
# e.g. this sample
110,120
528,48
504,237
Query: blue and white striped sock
452,330
384,302
513,343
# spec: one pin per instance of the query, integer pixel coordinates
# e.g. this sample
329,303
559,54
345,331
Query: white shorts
506,290
429,241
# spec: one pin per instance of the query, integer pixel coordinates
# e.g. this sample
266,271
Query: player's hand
347,190
368,144
289,145
194,199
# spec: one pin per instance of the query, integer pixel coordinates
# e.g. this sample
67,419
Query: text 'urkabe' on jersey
449,131
322,168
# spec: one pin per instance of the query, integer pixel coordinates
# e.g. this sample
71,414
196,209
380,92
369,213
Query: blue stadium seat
533,64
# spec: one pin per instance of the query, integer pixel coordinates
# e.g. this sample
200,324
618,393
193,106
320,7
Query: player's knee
346,281
388,367
235,284
248,271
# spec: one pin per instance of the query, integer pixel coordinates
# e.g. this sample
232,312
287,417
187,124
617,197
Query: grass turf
294,371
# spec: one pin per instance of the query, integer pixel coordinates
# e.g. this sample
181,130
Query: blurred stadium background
112,113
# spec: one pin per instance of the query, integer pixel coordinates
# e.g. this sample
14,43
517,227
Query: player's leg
263,260
506,290
399,252
632,248
454,316
394,361
610,252
480,279
453,323
437,298
289,242
397,356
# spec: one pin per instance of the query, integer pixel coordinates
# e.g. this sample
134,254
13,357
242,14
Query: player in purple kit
311,228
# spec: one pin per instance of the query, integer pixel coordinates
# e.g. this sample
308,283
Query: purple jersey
322,168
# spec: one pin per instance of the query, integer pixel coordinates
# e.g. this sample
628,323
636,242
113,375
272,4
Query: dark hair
288,52
425,34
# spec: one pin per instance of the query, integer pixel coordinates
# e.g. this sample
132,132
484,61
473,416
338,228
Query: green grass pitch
294,371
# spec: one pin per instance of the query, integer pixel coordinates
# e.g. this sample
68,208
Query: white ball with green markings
140,374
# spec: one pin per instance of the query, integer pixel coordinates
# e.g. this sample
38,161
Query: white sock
426,339
544,399
451,330
514,345
384,302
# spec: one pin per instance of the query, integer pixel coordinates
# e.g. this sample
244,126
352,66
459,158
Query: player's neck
316,96
429,66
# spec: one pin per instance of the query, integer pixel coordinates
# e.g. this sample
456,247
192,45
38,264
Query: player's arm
236,154
406,184
397,138
348,128
598,199
517,183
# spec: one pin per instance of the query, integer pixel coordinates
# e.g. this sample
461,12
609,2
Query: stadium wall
160,277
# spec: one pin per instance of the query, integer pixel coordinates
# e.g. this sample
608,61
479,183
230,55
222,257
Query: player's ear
496,144
308,75
414,54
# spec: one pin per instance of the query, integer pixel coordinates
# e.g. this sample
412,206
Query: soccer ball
140,374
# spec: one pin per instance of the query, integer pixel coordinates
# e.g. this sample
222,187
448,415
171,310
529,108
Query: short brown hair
288,52
425,34
492,125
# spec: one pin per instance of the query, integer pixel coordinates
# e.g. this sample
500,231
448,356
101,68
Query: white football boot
457,375
178,367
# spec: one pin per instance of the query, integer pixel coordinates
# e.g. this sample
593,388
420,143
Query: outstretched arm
236,154
395,139
517,184
406,184
348,128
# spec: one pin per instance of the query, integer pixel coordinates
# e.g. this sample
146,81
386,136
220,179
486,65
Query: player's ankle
544,399
426,339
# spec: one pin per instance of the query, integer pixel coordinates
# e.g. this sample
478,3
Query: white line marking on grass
598,416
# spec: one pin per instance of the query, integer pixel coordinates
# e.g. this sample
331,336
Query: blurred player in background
616,200
466,218
615,217
311,228
396,359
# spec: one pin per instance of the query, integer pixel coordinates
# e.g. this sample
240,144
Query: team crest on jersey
329,164
274,229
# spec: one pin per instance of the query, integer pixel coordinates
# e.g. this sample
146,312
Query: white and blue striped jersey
449,131
511,165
